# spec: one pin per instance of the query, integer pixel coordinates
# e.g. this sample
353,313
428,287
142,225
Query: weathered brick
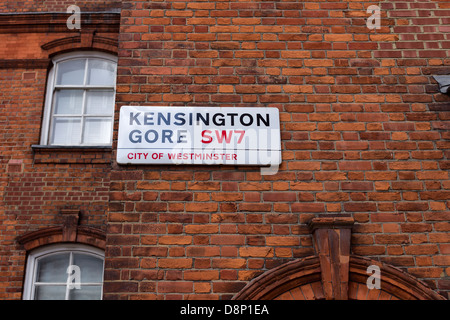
175,263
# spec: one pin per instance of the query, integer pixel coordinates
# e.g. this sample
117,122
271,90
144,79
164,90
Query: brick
362,186
360,207
422,249
427,154
308,207
201,207
369,250
249,186
196,229
174,263
352,145
202,251
126,175
280,196
149,251
330,176
439,237
176,196
282,241
202,275
436,216
151,206
441,260
407,185
246,21
311,186
158,185
203,185
226,196
255,207
412,206
405,165
381,175
226,287
391,238
256,252
332,196
174,240
175,286
425,272
254,229
435,195
122,286
384,196
228,263
416,227
377,155
228,239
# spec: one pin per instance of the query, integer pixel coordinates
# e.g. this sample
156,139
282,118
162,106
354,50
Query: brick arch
86,40
68,232
302,280
333,273
277,283
395,283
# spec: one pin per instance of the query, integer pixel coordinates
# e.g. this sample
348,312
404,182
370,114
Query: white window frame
51,87
36,254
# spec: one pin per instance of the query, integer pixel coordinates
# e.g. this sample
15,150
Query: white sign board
199,135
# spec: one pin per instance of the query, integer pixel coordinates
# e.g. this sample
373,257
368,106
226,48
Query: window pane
68,101
66,131
53,268
101,72
99,102
86,293
91,267
97,130
71,72
50,293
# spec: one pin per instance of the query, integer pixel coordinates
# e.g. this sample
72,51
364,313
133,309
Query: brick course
57,5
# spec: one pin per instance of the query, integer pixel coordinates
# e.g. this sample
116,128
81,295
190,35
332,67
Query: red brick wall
36,185
364,131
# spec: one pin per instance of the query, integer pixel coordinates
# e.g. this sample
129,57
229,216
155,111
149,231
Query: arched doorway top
301,280
394,281
281,279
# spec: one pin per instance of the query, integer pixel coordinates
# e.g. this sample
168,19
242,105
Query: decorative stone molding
70,224
331,235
